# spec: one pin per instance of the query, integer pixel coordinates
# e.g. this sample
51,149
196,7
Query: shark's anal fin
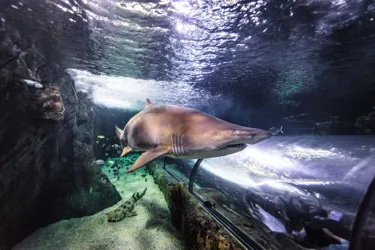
126,151
148,156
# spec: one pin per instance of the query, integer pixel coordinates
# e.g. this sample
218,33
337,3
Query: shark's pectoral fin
148,156
126,151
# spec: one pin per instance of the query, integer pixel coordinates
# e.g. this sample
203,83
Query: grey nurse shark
182,133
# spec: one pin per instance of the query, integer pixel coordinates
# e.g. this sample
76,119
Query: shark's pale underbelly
200,155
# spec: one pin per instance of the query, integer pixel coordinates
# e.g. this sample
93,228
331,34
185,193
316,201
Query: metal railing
237,233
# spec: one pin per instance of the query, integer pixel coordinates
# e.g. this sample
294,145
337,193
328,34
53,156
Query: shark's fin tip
126,151
118,132
148,102
148,156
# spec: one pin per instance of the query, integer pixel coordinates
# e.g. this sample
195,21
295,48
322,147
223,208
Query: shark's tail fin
281,129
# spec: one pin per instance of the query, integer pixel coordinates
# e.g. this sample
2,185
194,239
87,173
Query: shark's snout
260,135
251,135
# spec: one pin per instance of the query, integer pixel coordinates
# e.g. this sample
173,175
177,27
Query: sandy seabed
150,229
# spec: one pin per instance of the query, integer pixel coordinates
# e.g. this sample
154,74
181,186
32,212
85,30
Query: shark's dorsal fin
148,103
118,132
148,156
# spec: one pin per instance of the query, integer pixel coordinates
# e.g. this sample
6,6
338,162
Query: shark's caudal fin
118,132
148,156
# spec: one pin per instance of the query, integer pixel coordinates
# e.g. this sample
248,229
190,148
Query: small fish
144,175
112,146
107,139
90,189
99,162
103,145
97,142
275,131
106,154
116,145
101,136
111,162
118,151
145,179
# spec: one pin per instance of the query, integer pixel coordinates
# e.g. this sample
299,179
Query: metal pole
193,173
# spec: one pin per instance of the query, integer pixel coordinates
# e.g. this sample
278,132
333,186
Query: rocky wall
46,143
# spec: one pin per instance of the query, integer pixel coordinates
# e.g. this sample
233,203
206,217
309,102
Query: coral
126,209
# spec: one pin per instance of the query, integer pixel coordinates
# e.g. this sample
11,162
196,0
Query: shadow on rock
160,218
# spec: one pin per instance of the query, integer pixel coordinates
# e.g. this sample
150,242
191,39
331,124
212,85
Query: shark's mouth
239,145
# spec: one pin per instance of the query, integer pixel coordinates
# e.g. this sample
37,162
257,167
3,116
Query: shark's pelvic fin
126,151
148,156
148,102
118,132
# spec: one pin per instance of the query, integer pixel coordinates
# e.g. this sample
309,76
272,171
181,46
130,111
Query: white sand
150,229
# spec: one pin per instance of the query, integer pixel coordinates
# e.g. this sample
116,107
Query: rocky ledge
199,230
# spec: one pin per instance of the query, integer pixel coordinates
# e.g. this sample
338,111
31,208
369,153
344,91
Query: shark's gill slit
178,145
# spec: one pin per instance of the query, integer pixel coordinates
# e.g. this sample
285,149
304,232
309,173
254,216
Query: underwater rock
46,173
126,209
83,113
366,124
198,229
51,103
333,128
